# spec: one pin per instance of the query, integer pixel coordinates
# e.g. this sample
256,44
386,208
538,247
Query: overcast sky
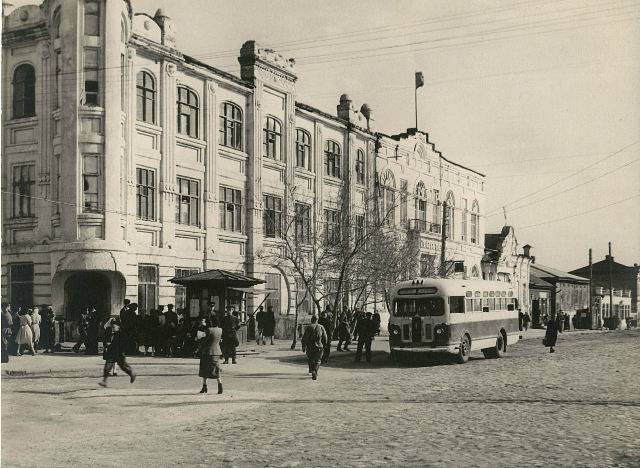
529,92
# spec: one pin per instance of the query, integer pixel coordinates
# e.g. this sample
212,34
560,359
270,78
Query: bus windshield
428,306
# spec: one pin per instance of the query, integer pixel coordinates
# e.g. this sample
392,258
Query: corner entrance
85,289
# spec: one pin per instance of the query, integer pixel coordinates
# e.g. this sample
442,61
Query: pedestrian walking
230,325
526,320
260,318
314,341
129,327
15,330
326,320
48,331
25,334
269,325
209,352
366,331
376,322
36,320
93,325
115,354
83,325
344,334
7,322
551,335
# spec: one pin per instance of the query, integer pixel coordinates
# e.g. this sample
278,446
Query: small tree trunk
295,329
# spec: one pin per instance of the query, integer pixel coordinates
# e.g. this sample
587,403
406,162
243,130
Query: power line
609,156
579,214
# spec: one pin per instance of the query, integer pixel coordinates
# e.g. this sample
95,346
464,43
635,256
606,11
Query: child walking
114,354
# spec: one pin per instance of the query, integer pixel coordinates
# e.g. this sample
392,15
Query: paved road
578,407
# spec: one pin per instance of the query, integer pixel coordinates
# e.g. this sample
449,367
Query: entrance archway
86,289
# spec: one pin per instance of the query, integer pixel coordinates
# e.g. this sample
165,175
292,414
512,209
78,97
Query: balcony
423,226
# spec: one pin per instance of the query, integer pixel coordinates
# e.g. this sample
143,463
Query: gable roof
538,283
544,272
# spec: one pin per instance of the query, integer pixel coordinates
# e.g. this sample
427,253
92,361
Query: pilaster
128,160
211,243
43,203
166,201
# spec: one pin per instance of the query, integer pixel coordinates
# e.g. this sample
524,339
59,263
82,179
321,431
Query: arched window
55,24
475,222
272,136
332,155
146,97
230,126
303,149
187,112
450,216
421,207
387,200
360,167
24,92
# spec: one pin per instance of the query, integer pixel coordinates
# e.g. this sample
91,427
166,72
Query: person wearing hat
115,354
365,330
314,341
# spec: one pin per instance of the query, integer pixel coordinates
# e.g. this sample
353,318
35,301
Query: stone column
211,227
44,205
166,202
128,159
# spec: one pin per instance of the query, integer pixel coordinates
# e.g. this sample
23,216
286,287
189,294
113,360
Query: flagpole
416,102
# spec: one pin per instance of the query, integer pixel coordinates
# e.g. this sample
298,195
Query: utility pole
591,286
443,239
610,282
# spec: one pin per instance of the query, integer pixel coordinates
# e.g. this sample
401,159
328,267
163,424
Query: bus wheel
497,351
465,350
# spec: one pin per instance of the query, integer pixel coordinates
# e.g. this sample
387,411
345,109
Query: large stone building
126,163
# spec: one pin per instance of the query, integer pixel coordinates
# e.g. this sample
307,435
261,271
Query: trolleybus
452,316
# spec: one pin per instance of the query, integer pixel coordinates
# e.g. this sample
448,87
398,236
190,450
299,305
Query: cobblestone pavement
578,407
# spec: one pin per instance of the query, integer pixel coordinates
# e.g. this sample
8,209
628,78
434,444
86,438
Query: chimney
527,250
344,108
367,112
533,259
167,27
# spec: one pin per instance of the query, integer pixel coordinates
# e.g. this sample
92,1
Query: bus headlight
439,331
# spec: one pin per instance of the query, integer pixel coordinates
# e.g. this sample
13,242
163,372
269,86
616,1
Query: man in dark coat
129,324
366,330
93,324
344,334
229,324
326,320
554,325
171,326
115,354
7,322
260,318
314,341
269,324
83,325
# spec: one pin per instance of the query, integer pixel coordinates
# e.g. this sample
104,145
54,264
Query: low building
570,293
540,294
502,262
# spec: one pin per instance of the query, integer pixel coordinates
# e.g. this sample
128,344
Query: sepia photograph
320,233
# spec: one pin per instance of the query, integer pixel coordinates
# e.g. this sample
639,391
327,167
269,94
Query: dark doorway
82,290
535,313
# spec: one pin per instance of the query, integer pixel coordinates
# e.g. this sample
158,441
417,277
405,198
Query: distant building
625,281
540,293
502,262
570,293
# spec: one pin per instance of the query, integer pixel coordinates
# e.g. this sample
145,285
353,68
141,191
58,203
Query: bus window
492,304
477,305
468,304
423,307
456,304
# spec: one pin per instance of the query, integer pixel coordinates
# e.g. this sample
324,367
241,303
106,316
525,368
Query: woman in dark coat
229,325
551,336
209,351
48,331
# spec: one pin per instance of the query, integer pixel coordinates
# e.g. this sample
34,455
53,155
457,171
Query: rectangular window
273,300
436,207
91,81
332,227
303,223
147,287
272,216
403,201
24,181
388,206
180,301
360,167
359,227
21,285
456,304
91,18
230,209
474,228
145,193
188,204
91,182
464,219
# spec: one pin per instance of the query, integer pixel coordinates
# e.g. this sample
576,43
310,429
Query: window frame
91,93
144,286
24,91
26,284
332,227
23,190
230,209
92,206
230,133
303,149
332,159
302,222
360,167
145,94
191,117
146,191
193,197
88,13
272,216
272,138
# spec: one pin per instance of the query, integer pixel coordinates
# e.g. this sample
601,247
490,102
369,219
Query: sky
541,96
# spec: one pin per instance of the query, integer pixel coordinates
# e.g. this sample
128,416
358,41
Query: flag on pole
419,80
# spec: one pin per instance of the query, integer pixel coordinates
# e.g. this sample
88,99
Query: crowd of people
27,330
